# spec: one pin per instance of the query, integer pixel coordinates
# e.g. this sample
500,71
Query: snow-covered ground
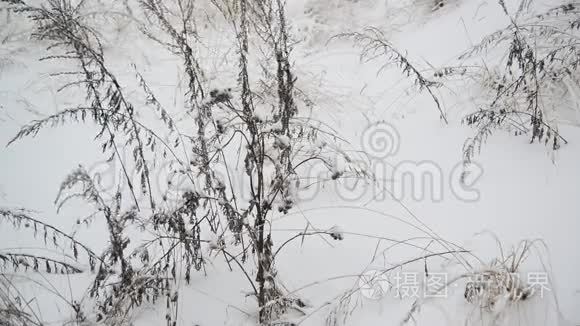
516,191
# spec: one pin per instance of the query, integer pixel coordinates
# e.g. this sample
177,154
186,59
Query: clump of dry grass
500,282
14,311
493,289
15,308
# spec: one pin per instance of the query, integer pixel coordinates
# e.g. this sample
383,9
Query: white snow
519,193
